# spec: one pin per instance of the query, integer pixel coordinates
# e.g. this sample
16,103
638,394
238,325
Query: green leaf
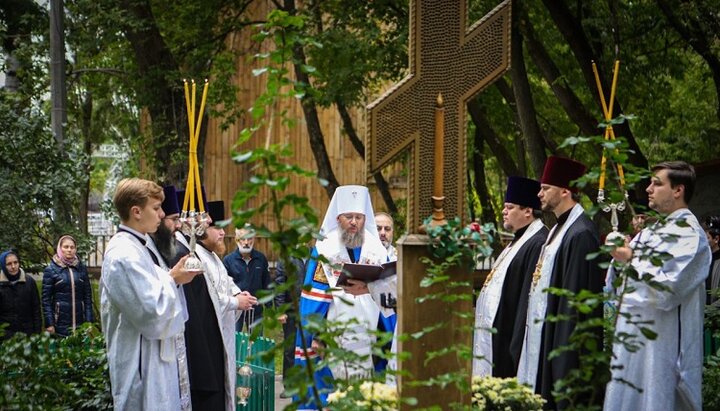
648,333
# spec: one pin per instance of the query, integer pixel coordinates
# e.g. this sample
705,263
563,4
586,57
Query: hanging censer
613,208
245,372
193,222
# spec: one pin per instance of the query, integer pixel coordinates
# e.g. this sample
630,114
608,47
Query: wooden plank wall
222,177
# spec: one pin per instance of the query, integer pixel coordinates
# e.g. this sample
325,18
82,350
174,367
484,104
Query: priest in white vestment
214,303
141,305
668,369
503,299
350,235
162,246
562,264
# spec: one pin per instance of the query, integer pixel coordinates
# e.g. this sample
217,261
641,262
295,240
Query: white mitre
349,199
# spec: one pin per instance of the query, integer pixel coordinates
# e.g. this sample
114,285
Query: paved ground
280,403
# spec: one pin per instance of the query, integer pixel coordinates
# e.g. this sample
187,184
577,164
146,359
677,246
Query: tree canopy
125,59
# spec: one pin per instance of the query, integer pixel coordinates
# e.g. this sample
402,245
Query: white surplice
489,300
669,368
537,303
222,290
179,351
141,311
345,307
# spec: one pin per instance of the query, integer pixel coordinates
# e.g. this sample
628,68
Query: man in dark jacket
249,269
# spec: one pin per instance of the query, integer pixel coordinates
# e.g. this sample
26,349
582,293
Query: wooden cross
446,58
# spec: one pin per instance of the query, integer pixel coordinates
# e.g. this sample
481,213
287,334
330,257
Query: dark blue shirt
250,276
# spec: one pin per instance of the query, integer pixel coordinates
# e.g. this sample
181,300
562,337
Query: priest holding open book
350,236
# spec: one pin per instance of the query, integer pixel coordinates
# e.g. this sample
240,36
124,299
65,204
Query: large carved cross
449,58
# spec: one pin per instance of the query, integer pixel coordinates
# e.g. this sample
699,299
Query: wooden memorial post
446,58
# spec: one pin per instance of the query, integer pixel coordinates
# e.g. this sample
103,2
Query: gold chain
537,272
538,267
502,257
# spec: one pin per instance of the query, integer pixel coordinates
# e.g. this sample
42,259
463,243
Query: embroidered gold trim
319,275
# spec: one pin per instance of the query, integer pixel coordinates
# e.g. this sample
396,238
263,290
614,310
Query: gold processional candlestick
194,222
438,199
612,208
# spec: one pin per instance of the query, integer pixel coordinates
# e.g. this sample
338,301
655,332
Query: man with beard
502,303
350,236
562,264
162,241
182,242
248,268
213,302
162,248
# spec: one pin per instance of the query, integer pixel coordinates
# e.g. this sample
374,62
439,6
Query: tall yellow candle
202,110
439,147
601,183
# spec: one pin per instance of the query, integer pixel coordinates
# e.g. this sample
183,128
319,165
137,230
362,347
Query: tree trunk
18,18
525,106
573,33
317,141
567,98
58,92
86,110
507,93
380,181
162,96
480,182
477,114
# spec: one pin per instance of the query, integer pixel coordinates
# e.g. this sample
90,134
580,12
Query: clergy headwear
523,192
170,204
181,199
349,199
216,211
560,171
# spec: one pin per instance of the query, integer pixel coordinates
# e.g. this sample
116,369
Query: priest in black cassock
562,264
502,303
212,303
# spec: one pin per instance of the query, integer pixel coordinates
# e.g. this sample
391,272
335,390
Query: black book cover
366,272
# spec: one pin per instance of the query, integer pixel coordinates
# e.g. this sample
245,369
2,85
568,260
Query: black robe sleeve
572,271
512,310
203,339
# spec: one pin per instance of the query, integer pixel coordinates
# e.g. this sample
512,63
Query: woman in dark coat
19,301
66,291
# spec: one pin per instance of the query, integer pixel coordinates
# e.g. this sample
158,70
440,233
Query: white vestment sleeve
147,297
678,273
